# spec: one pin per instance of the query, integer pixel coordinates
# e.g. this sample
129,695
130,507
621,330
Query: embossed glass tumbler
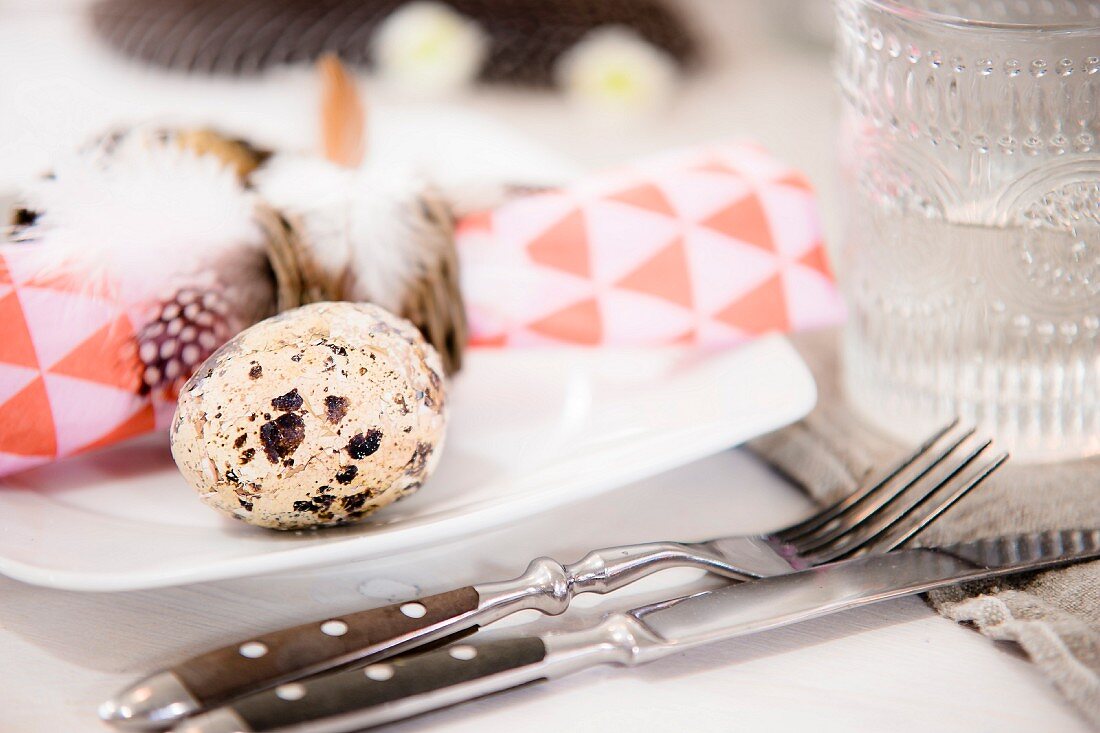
970,247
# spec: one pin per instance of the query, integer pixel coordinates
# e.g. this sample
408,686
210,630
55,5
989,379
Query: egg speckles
318,416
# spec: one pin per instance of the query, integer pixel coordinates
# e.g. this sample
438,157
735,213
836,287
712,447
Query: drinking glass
970,244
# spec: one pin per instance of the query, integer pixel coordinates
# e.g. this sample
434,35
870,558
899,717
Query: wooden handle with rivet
266,660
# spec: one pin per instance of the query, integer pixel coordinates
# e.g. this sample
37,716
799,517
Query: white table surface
895,666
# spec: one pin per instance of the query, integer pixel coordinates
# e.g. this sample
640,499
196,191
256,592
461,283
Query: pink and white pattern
69,373
711,246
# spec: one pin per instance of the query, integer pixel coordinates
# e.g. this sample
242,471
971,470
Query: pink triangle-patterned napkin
711,246
69,372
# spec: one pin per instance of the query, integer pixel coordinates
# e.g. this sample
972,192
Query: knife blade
362,698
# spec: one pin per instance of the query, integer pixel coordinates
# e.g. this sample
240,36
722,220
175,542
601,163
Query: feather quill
343,118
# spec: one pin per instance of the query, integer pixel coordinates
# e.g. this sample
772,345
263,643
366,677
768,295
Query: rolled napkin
710,246
1054,616
70,376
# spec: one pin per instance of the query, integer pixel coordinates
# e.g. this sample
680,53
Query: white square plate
530,430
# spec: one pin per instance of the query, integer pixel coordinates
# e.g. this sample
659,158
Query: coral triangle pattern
645,196
68,369
664,276
29,408
16,347
578,324
564,246
758,311
745,220
709,246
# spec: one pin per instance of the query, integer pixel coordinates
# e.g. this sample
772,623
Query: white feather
362,221
141,215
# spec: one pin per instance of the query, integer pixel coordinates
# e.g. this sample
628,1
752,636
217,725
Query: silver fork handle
549,586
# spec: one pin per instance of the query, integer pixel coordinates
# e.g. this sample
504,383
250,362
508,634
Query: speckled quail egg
315,417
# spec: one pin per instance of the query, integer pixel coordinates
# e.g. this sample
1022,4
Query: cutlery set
369,668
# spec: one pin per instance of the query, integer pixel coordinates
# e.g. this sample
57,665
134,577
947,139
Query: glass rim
907,12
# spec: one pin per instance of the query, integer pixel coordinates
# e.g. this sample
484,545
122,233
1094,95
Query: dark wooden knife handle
360,694
263,661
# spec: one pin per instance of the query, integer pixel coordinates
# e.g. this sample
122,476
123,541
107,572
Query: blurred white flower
613,70
427,48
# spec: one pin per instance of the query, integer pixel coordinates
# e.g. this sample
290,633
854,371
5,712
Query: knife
400,688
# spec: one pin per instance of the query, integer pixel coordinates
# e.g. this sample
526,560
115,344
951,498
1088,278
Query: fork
876,518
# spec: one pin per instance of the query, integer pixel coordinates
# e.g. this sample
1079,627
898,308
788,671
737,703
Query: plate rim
437,533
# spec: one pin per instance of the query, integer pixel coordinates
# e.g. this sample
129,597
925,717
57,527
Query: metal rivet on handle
291,692
334,627
379,672
463,652
253,649
414,610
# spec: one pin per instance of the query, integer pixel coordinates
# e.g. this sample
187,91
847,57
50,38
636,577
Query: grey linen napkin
1054,616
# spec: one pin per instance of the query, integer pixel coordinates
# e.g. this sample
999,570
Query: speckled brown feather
241,155
299,280
434,302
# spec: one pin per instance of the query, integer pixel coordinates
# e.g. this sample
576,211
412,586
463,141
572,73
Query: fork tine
918,522
883,521
855,518
831,512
